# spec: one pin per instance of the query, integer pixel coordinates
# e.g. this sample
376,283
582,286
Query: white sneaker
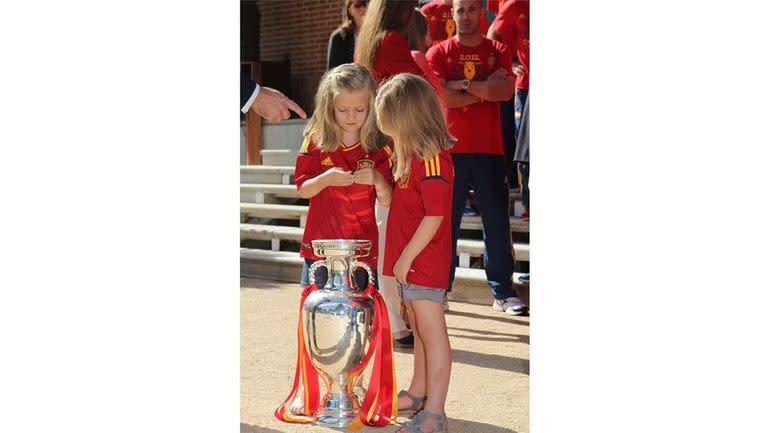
511,305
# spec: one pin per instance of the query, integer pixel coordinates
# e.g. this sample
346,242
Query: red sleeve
436,187
393,57
384,163
505,59
307,163
504,24
436,59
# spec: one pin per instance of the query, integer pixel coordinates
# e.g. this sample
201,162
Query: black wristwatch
465,85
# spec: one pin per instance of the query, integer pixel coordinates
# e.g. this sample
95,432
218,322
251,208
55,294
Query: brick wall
301,29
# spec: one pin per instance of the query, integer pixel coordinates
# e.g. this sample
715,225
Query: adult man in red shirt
440,20
475,72
512,27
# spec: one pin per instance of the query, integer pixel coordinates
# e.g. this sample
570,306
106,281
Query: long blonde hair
381,16
407,109
322,127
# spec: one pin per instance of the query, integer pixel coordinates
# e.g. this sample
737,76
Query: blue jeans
321,276
521,97
487,175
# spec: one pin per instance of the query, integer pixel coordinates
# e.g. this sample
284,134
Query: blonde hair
407,109
322,127
381,16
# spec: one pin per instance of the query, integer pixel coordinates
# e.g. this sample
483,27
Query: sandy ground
489,383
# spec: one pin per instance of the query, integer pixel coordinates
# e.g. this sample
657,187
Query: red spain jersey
393,57
440,23
477,127
512,23
427,192
341,212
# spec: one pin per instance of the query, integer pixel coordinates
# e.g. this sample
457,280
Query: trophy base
338,410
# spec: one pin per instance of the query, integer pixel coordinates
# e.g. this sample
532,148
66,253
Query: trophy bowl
338,320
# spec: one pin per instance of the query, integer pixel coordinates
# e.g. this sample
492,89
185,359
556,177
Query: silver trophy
338,320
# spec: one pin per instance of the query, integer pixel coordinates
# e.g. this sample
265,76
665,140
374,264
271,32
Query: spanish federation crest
364,163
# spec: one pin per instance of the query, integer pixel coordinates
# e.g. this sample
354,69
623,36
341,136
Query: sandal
414,426
417,403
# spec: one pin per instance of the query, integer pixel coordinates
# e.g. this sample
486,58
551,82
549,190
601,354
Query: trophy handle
314,267
356,264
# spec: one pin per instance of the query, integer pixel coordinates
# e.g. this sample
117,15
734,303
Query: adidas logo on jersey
327,161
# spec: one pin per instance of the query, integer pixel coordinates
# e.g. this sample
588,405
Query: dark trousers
509,129
487,176
521,97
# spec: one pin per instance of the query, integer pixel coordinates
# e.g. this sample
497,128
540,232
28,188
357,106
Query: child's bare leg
434,335
419,380
430,325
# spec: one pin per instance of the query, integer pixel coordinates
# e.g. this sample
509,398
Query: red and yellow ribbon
379,407
306,373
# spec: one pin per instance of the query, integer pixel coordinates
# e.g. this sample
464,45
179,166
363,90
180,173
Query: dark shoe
417,404
406,341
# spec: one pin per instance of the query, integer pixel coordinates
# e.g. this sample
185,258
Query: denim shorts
414,292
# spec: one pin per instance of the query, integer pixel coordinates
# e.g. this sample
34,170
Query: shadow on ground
491,335
485,360
245,428
497,316
460,425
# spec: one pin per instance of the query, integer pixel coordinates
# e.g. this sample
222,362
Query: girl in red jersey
418,242
382,46
343,166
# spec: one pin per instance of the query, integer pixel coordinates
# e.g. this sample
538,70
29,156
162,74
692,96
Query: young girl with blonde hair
343,166
418,240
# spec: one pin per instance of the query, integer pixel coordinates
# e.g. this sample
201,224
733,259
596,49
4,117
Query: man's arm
496,89
455,98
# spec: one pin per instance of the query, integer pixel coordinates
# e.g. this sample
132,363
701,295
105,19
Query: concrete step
469,284
275,234
276,211
259,192
287,134
272,174
473,222
297,211
278,157
465,248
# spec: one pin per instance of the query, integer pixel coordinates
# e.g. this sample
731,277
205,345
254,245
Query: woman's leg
388,285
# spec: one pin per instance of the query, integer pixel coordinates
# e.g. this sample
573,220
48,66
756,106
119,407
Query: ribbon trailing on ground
305,374
379,407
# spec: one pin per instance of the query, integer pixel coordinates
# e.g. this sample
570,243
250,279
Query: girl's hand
401,268
338,177
365,176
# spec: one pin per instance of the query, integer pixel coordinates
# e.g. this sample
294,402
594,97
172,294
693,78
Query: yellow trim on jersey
432,166
354,146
